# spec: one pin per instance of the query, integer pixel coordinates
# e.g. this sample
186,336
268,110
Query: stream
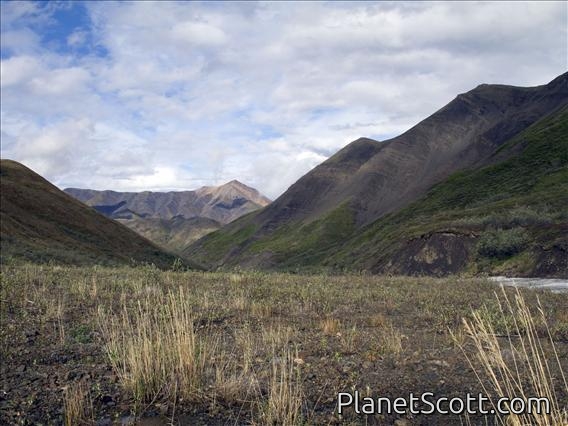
556,285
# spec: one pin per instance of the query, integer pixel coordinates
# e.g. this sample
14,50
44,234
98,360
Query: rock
401,422
127,420
440,363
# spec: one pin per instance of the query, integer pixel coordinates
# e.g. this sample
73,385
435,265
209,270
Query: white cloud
60,82
186,94
20,42
17,69
198,33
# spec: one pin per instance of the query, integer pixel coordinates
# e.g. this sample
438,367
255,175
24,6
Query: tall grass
77,405
283,405
521,365
154,348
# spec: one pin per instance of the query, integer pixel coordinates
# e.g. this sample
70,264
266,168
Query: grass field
115,345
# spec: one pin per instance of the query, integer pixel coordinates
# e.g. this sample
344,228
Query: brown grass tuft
155,347
283,405
77,404
330,326
521,366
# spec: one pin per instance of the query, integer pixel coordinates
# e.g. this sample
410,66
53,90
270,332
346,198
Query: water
556,285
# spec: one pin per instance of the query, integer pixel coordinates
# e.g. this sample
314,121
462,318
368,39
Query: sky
135,96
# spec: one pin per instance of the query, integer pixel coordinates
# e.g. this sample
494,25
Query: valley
374,273
173,220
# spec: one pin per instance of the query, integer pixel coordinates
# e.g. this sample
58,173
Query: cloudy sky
170,96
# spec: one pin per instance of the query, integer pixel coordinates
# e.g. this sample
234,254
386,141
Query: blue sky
171,96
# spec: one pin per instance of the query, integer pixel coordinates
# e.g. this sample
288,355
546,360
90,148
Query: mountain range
480,186
174,219
463,190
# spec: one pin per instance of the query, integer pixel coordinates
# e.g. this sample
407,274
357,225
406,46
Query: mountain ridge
201,202
400,151
367,180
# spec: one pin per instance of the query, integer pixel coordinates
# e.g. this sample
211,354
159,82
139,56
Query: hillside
41,223
352,211
507,218
172,234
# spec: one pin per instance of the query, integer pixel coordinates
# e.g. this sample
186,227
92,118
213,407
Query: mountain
354,210
41,223
175,219
223,203
172,234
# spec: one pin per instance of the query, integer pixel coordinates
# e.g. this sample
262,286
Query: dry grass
77,405
154,347
276,336
54,311
222,344
330,326
390,341
378,320
350,340
521,366
283,405
261,310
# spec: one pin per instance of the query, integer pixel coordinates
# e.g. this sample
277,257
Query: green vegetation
308,243
290,244
525,189
40,223
81,345
502,243
221,241
528,191
174,234
521,179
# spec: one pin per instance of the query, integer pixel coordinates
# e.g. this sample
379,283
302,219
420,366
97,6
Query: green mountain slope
510,217
172,234
505,213
40,223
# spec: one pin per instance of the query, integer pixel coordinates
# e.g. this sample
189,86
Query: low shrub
502,243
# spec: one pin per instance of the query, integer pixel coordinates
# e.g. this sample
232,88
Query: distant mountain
223,203
348,212
41,223
175,219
